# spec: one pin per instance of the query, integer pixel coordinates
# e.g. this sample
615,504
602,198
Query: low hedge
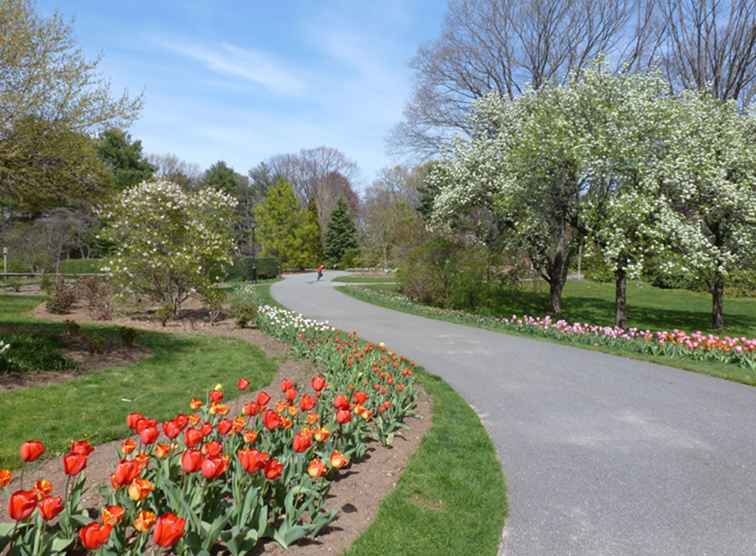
267,267
82,266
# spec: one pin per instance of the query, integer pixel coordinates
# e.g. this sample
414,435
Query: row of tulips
676,343
696,345
207,481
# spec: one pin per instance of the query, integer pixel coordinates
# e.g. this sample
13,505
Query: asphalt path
603,455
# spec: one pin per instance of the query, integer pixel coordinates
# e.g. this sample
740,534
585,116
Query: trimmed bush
267,267
82,266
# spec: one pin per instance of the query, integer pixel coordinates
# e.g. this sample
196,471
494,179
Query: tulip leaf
60,545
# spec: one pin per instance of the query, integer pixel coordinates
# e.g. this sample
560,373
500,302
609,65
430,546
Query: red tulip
191,461
341,402
50,507
359,397
214,467
149,435
74,463
168,530
225,426
273,469
145,424
272,420
94,535
301,442
286,384
31,450
81,447
132,419
181,421
307,402
243,384
206,429
171,429
343,416
384,406
251,409
126,471
216,396
252,460
21,504
318,383
213,449
192,437
291,394
262,399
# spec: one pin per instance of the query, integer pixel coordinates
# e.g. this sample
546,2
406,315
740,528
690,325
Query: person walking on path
321,268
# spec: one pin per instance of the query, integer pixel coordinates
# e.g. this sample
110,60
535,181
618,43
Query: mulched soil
356,494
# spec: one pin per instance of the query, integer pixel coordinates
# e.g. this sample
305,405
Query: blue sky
244,80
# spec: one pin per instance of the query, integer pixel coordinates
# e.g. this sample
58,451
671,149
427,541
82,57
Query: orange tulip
139,489
312,418
144,521
5,477
50,507
94,535
31,450
128,446
168,530
359,397
239,423
338,460
42,488
212,449
322,434
162,450
112,515
316,468
219,409
195,404
73,464
250,437
21,504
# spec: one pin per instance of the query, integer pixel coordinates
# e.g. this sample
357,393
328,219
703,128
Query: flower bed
207,480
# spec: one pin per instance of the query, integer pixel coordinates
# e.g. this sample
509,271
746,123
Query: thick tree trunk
556,285
620,298
717,299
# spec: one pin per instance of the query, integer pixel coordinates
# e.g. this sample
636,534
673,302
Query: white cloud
243,64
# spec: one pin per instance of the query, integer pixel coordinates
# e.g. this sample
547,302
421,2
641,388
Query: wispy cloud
243,64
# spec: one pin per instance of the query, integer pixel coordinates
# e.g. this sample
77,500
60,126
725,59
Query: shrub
62,298
267,267
98,293
244,304
34,352
169,242
127,336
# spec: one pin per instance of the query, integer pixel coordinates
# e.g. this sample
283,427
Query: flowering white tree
711,169
170,243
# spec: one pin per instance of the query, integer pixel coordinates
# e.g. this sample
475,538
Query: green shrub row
267,267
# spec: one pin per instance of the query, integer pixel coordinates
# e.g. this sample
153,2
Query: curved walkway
603,455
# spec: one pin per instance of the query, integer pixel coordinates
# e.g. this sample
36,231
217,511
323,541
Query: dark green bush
82,266
34,352
267,267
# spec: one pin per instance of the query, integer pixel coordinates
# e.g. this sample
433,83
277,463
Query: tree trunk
717,298
620,297
556,285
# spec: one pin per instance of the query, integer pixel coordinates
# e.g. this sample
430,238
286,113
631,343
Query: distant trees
171,168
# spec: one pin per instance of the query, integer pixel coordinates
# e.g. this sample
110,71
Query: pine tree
341,236
124,157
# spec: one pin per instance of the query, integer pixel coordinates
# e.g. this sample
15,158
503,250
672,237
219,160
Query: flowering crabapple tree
170,243
711,168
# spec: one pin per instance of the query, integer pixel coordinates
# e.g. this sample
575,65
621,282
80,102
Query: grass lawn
94,406
451,498
387,296
357,279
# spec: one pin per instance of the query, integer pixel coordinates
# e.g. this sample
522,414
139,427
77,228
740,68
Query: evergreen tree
222,177
285,230
341,236
124,157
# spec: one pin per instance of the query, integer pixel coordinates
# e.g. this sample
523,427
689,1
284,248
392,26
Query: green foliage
82,266
286,231
742,283
222,177
267,267
124,157
244,304
34,352
341,235
169,242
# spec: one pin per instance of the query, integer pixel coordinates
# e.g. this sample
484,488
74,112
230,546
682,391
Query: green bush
267,267
741,283
82,266
244,304
34,352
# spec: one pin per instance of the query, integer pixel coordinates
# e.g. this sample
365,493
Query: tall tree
508,46
341,236
124,157
222,177
50,97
